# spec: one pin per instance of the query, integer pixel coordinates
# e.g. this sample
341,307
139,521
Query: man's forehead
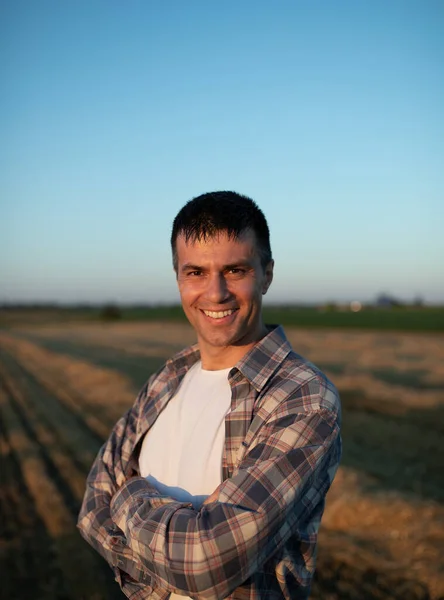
218,237
221,244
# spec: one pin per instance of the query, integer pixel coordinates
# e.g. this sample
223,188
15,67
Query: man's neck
215,358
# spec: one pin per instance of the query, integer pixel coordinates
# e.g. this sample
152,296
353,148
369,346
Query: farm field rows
63,386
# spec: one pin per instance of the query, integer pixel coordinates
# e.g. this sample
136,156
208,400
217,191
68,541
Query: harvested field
63,386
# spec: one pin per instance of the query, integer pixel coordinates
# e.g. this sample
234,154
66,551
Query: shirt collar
185,359
258,364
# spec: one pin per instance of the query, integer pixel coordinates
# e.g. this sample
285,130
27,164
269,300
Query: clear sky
113,114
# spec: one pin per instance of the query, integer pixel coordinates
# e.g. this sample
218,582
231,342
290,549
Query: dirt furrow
72,555
55,424
54,384
136,363
100,428
27,555
43,422
98,397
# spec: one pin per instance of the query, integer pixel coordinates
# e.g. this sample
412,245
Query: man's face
221,283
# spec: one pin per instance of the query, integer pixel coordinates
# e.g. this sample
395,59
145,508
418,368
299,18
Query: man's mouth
219,314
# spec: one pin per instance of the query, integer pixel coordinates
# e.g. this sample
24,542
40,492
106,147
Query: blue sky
113,114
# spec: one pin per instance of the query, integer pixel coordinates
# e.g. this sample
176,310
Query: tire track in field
26,552
136,362
69,447
54,478
53,383
50,505
97,396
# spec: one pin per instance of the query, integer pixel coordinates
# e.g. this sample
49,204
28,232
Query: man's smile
219,314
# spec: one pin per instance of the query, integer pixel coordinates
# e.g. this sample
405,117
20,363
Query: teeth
218,314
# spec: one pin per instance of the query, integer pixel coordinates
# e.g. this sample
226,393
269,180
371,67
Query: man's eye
236,271
195,273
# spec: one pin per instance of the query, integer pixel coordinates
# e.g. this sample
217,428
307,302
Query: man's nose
217,289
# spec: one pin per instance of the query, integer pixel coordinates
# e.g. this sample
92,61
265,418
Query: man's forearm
99,530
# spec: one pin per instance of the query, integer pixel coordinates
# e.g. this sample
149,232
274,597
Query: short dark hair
207,215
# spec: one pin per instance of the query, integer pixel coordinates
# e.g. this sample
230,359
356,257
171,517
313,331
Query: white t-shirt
181,455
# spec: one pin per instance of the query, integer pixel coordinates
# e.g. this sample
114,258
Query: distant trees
110,312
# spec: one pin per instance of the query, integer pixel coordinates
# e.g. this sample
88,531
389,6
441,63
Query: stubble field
63,386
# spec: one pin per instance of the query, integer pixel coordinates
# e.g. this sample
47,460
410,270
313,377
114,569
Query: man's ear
268,277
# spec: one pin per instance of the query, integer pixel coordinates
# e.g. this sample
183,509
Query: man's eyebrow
236,265
191,267
241,263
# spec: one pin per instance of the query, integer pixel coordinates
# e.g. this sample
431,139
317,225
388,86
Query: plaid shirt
256,537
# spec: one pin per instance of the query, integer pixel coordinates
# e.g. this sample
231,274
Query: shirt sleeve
108,473
279,483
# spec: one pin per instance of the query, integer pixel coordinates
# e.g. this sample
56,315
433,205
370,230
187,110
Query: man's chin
220,339
227,340
219,342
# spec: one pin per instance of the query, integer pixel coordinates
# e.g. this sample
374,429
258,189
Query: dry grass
383,529
49,503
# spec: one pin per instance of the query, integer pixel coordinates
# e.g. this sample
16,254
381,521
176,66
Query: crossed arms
166,545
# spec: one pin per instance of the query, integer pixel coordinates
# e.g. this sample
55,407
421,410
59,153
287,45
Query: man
213,484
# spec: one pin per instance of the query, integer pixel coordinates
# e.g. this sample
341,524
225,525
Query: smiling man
213,484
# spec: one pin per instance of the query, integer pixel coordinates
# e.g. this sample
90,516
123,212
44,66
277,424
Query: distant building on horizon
387,301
